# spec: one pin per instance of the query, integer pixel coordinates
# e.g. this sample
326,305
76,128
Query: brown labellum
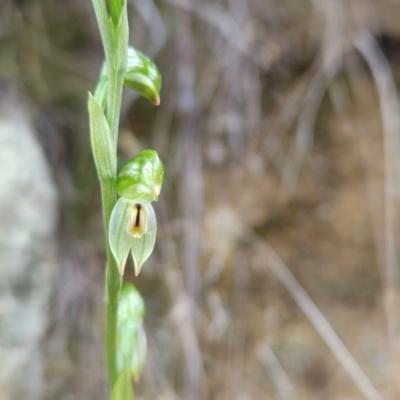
137,223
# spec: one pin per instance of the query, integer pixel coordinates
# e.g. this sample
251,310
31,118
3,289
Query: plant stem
116,83
113,285
116,72
114,34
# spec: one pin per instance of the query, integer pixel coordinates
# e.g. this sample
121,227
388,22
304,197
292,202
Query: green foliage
116,7
100,94
104,26
102,147
130,222
123,387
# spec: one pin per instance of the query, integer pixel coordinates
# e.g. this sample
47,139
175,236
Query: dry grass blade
385,85
182,306
304,132
267,256
275,371
330,54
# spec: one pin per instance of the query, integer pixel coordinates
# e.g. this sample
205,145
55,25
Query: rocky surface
28,204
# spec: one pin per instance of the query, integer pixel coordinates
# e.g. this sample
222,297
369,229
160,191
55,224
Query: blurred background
275,273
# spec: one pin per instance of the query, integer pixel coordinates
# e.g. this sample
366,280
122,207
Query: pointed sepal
119,238
143,246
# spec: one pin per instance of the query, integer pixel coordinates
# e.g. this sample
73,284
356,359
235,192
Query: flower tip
156,100
121,269
137,269
156,191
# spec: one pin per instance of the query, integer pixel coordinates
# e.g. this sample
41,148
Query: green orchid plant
133,222
129,218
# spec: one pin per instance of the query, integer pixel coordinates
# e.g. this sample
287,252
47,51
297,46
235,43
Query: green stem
116,68
114,33
116,75
113,285
116,84
103,22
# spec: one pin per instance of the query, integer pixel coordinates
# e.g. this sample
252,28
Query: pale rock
28,209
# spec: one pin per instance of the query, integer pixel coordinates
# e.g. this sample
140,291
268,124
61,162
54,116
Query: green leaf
143,76
121,33
123,387
100,93
102,90
116,63
102,146
103,21
119,238
143,247
141,177
115,9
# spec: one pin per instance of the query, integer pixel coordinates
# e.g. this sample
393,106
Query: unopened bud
141,177
132,343
143,76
